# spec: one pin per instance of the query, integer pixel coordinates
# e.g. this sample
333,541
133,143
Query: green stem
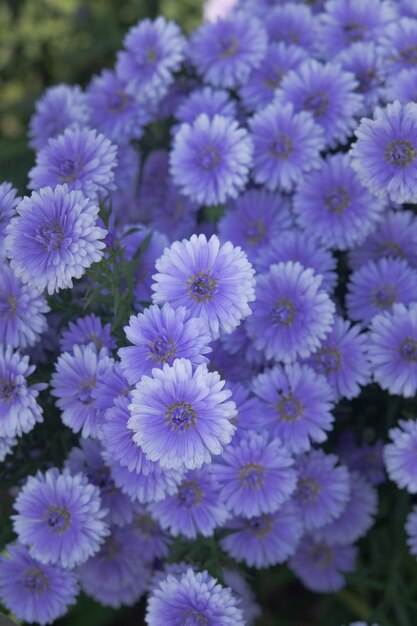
358,606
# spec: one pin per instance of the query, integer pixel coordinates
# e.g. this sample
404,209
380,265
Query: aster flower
264,540
297,405
402,86
73,382
159,336
286,145
194,509
239,345
255,475
411,529
333,204
377,286
6,446
225,52
192,596
153,51
154,541
342,359
385,152
8,203
87,330
400,455
22,309
321,567
328,93
60,518
54,238
111,384
263,81
364,60
293,24
364,457
180,417
398,45
255,220
32,591
117,574
61,107
323,489
19,410
212,281
302,247
206,100
249,409
291,314
392,350
241,589
210,159
81,158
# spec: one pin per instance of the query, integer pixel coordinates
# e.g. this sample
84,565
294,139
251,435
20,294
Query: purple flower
385,152
54,238
297,405
249,409
364,60
194,509
255,475
365,457
6,446
111,384
398,45
73,382
180,417
264,540
154,50
291,314
328,93
8,203
254,220
19,410
392,350
400,456
286,145
377,286
161,335
402,86
154,541
213,281
60,518
124,199
241,589
411,529
32,591
206,100
323,489
87,330
225,52
22,309
192,598
321,567
334,205
342,359
210,159
61,107
293,24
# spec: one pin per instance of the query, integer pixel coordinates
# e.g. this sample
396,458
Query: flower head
206,100
400,455
87,330
402,86
364,61
293,24
8,203
398,45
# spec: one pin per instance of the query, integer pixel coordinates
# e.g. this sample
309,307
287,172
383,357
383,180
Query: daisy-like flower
87,330
206,100
210,159
225,52
363,457
385,153
22,310
215,282
255,220
264,540
80,158
155,543
328,93
398,45
255,475
8,203
377,286
249,409
297,405
291,314
73,382
117,574
323,489
161,335
342,359
192,598
295,25
32,591
60,518
286,146
402,86
392,350
333,204
194,509
180,417
301,247
154,50
365,61
259,90
61,107
400,455
54,238
19,410
411,529
321,567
